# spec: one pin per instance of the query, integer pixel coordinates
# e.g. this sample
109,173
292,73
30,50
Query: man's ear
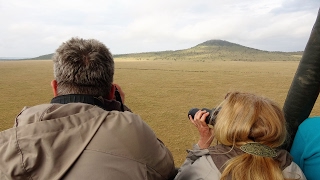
54,86
110,96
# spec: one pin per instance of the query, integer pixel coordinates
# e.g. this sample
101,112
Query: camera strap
88,99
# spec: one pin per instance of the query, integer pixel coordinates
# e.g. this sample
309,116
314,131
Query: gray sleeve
293,171
198,165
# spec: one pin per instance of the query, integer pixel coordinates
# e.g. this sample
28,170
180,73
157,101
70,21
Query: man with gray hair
86,132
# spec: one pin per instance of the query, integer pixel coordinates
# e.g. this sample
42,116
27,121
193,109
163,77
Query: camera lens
211,118
193,111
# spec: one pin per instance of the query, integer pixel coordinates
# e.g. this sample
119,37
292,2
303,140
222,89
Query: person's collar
88,99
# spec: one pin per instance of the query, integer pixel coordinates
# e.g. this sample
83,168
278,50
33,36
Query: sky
31,28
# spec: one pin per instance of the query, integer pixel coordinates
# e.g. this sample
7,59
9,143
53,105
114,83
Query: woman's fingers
199,118
205,132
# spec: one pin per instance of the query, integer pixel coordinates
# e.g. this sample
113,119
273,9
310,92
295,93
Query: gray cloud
297,5
36,27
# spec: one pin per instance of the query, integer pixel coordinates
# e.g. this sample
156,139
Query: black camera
211,119
118,98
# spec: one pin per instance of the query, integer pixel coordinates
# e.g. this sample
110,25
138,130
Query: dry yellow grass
161,92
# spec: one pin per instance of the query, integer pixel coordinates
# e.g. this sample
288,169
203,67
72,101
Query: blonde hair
245,118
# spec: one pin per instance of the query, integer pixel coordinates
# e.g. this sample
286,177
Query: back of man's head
83,67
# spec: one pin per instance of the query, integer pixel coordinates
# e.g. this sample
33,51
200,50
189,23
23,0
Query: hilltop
210,50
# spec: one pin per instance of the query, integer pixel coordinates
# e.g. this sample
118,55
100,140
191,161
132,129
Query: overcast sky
30,28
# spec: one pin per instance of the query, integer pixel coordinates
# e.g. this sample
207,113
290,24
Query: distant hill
218,43
209,51
43,57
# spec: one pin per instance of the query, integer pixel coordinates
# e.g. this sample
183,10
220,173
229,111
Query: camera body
211,119
118,98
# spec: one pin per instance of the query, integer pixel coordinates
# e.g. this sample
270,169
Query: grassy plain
161,92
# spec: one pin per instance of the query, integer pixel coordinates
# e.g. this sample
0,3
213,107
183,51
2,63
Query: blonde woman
249,130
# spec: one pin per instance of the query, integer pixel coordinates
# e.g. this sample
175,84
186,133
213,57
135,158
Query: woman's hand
206,133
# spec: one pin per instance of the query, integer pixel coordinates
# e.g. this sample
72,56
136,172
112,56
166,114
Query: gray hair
83,67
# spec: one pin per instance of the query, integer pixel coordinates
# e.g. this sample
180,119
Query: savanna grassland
161,92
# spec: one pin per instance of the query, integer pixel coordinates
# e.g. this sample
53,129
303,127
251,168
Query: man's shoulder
125,119
43,112
309,129
313,122
313,118
125,134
